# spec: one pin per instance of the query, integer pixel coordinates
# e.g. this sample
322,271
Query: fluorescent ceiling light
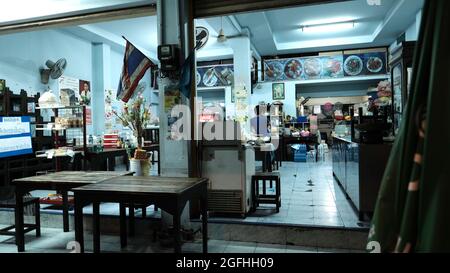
328,27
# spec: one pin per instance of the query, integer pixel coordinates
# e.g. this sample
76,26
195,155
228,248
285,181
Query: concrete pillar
174,154
101,80
242,60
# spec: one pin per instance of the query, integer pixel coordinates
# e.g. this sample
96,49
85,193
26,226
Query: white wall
264,94
22,54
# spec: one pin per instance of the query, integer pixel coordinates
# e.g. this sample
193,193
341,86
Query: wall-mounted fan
222,37
53,70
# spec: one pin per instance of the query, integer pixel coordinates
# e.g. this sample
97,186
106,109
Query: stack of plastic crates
300,152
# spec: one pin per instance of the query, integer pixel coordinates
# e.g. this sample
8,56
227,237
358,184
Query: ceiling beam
389,16
240,29
209,8
82,19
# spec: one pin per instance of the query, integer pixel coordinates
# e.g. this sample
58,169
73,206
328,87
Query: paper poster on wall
69,90
112,123
73,91
85,92
172,97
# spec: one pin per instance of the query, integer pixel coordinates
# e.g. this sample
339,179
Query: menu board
15,136
326,67
373,63
310,68
215,76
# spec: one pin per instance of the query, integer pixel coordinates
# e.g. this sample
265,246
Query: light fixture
328,27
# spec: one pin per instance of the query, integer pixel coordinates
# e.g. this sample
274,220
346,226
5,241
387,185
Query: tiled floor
310,197
56,241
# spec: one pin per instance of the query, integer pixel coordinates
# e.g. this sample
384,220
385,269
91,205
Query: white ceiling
278,32
141,31
275,32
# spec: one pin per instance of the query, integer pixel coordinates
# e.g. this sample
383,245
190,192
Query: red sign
88,116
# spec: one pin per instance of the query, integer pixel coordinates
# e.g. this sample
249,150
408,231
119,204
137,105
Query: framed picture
85,92
278,91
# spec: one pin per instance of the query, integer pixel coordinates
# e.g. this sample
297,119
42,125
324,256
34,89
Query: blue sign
15,136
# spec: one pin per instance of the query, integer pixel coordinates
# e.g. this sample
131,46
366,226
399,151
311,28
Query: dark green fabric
421,219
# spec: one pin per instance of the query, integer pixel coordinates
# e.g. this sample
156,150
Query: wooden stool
264,198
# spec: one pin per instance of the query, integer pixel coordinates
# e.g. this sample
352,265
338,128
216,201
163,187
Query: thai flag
135,63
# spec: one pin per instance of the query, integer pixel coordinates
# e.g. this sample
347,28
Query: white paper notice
15,144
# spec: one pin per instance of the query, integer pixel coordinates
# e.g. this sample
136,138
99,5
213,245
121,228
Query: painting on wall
278,92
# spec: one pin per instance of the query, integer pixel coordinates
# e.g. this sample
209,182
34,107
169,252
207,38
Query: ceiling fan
222,37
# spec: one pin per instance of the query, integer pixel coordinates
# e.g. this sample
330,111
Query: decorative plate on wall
210,78
273,70
313,68
374,64
293,69
353,65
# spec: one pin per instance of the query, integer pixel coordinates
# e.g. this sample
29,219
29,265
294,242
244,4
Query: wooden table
59,181
106,159
169,194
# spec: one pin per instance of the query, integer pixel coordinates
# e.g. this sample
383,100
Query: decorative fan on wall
53,70
201,37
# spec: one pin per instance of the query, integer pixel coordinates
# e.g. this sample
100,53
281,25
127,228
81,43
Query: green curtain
413,207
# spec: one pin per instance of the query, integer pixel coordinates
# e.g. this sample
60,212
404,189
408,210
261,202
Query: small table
59,181
288,140
106,159
169,194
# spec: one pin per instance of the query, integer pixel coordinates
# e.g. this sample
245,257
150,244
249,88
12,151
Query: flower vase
140,167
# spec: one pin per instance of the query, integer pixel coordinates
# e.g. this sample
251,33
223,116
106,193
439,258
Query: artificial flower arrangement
136,116
383,96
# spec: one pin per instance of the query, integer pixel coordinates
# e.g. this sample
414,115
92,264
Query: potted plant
136,116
